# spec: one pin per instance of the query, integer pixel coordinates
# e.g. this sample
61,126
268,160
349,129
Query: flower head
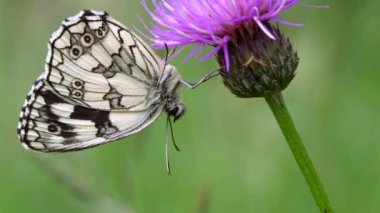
260,65
211,22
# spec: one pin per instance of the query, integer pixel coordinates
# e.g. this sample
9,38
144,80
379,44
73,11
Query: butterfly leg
204,79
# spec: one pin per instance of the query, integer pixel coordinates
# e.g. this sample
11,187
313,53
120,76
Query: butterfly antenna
169,126
166,147
172,135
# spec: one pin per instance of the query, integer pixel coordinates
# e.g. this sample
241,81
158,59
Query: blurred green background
234,157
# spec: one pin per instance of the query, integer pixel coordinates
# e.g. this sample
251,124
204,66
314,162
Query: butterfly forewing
100,84
101,64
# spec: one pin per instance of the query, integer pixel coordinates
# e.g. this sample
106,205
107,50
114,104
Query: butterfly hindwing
49,123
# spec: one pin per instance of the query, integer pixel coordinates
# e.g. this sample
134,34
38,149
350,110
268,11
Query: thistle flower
235,29
211,22
258,60
259,64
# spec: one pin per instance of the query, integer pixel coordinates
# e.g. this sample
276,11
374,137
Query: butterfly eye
77,94
87,39
177,111
77,84
76,51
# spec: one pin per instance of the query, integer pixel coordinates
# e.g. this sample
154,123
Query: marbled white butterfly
101,83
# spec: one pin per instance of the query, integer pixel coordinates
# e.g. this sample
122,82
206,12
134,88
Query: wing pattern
100,84
99,63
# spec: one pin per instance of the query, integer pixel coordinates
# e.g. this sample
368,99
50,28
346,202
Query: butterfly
101,83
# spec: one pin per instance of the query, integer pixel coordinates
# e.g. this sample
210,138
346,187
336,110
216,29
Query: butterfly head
176,111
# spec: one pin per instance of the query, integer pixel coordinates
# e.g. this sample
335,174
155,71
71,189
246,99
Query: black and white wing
97,62
99,85
50,123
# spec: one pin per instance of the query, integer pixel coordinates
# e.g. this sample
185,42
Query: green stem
278,107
